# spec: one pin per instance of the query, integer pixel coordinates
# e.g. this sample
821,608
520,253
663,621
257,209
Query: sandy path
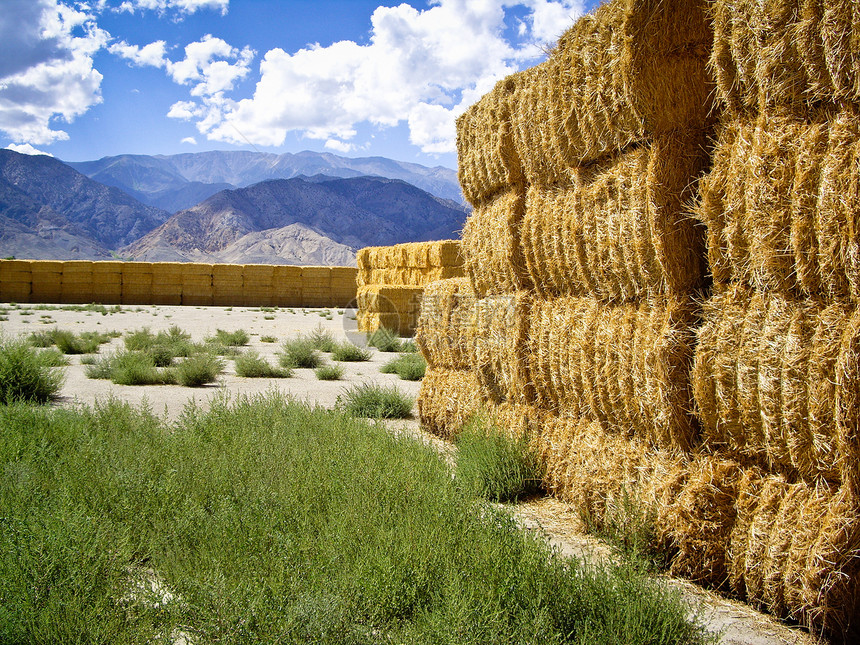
738,624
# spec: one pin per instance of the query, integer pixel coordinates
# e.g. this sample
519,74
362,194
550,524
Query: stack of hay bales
197,289
106,287
167,281
47,278
76,285
137,283
776,368
16,279
582,260
391,281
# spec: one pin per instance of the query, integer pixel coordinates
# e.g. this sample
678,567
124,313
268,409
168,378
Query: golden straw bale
789,54
781,201
767,382
491,245
444,333
445,253
618,230
702,518
764,517
749,489
487,161
500,325
447,401
623,73
624,365
588,468
830,582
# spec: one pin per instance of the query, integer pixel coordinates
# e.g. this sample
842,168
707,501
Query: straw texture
447,400
445,334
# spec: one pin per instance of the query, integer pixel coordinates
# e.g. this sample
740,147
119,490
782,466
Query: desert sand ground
736,623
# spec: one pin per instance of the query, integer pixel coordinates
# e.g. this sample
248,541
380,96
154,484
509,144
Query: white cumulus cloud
189,140
421,67
50,74
27,149
183,6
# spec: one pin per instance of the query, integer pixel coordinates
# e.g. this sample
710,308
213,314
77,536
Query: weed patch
376,402
409,367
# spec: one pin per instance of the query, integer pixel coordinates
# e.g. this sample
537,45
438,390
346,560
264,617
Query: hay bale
46,276
624,73
491,245
788,55
487,161
618,230
769,375
447,401
500,325
444,334
702,518
16,280
625,365
780,204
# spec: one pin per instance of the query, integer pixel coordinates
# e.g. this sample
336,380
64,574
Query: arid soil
736,623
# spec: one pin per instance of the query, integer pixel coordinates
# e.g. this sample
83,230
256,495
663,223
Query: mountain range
52,210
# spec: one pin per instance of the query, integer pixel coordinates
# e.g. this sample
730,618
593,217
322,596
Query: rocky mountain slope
280,219
176,182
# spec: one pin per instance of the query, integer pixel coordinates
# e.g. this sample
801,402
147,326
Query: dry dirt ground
736,623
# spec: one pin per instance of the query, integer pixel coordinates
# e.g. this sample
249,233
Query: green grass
329,372
269,521
299,352
494,466
198,370
386,340
53,357
25,375
376,402
409,367
252,365
136,368
321,339
237,338
349,353
268,339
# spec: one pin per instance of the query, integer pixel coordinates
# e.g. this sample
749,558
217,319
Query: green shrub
494,466
70,343
268,339
630,528
53,357
409,367
137,368
24,376
41,339
198,370
299,352
376,402
100,368
385,340
347,352
321,339
139,339
237,338
329,372
161,355
252,365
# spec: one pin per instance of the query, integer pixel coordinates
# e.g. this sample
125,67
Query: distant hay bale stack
197,287
780,204
789,55
500,325
343,286
107,282
47,276
444,332
447,401
623,73
491,245
412,264
619,229
775,381
77,282
167,283
393,307
257,285
227,284
316,286
486,158
16,280
625,366
137,283
287,286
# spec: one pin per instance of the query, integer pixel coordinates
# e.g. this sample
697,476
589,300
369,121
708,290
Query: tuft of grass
198,370
252,365
268,339
53,357
24,374
136,368
385,340
347,352
409,367
100,368
299,352
376,402
495,466
237,338
329,372
41,339
630,528
322,339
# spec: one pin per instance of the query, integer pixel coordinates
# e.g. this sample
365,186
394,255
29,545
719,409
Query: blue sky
84,80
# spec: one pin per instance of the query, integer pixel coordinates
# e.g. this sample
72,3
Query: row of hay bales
730,411
391,281
175,283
